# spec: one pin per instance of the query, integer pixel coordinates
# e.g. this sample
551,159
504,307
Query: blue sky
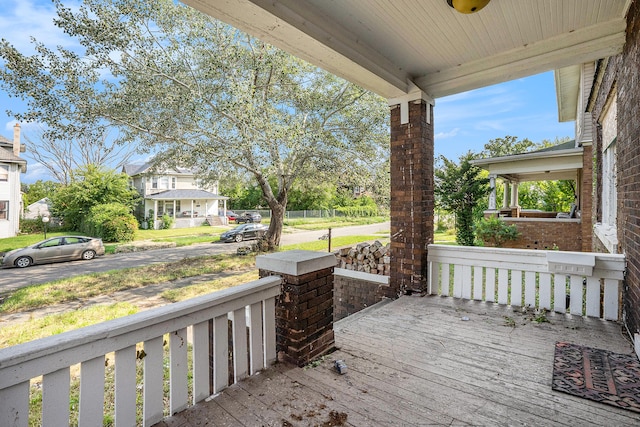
525,108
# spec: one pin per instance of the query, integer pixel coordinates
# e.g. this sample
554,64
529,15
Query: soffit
390,46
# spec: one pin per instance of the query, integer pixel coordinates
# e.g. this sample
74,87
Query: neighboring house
177,193
38,209
11,166
538,229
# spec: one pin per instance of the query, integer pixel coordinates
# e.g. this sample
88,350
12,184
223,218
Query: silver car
55,249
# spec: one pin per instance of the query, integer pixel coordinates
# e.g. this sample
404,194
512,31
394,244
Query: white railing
197,331
584,284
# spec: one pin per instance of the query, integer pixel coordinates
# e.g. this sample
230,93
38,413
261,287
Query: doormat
598,375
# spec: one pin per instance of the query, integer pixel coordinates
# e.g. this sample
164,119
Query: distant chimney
16,139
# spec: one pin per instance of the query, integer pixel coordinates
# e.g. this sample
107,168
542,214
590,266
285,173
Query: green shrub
167,222
112,222
358,211
495,232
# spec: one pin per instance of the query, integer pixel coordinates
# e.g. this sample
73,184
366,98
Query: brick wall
543,235
354,291
411,197
622,75
628,146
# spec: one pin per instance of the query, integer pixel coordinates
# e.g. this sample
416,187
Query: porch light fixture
467,6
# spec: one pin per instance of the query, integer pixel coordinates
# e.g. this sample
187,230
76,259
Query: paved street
15,278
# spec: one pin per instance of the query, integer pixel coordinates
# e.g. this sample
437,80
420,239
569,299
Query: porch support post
411,191
155,213
505,195
514,194
304,309
492,195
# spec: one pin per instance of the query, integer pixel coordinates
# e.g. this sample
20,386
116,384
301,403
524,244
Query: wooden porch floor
415,362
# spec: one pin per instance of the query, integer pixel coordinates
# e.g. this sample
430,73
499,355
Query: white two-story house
11,166
177,193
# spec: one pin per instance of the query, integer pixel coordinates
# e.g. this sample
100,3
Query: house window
163,183
606,229
4,209
154,182
173,182
4,172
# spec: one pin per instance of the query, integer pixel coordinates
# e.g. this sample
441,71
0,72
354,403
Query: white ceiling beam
583,45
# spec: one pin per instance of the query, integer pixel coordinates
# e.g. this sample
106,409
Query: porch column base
304,310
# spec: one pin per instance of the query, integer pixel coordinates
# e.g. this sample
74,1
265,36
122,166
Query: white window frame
4,172
4,210
606,230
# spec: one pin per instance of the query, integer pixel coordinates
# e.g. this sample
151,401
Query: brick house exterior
618,81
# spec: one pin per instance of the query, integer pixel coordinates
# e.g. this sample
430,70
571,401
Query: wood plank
478,288
55,398
256,349
593,297
516,288
559,293
152,381
457,281
490,284
220,353
544,290
445,279
240,348
530,288
200,352
14,405
91,392
434,275
178,396
611,299
269,322
576,295
125,386
503,286
466,282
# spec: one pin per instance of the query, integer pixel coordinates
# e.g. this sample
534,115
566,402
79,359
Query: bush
358,211
112,222
167,222
495,232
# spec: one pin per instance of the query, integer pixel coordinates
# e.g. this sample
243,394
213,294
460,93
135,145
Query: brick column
411,192
586,197
304,310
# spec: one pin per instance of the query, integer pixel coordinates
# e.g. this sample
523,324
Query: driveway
15,278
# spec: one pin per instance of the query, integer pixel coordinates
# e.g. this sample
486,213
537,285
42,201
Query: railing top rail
95,340
606,265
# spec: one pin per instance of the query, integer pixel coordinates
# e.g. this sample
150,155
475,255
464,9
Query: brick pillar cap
296,263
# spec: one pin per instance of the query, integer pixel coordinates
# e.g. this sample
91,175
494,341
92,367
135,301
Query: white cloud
23,19
443,135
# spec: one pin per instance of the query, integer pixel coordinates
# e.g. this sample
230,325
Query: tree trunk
274,233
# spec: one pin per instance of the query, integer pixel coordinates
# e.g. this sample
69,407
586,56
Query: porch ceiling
388,47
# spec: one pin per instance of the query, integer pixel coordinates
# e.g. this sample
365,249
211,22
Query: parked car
249,217
55,249
231,216
244,232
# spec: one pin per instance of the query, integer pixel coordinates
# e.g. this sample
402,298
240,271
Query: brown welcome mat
598,375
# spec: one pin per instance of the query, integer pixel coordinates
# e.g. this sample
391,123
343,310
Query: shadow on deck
416,362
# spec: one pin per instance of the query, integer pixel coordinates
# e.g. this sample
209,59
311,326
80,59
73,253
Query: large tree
62,157
201,94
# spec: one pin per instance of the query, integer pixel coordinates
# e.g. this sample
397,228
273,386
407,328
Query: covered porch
478,348
540,229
